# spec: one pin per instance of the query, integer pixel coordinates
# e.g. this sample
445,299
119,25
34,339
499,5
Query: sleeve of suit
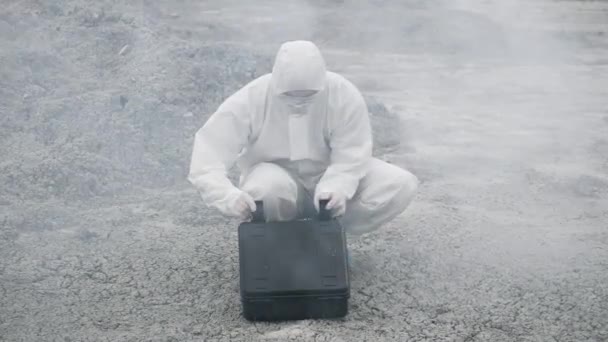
216,147
350,142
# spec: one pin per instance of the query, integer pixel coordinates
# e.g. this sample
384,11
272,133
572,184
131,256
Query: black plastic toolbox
293,270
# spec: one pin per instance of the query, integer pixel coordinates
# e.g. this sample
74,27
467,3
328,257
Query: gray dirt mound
104,141
387,128
103,105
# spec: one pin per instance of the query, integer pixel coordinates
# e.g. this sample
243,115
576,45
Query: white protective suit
291,149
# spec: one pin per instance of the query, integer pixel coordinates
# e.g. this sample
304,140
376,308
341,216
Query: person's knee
272,185
387,192
268,181
387,184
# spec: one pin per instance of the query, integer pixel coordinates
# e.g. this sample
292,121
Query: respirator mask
299,100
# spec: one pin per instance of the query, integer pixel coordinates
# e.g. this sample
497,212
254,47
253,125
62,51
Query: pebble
123,101
188,115
124,50
34,90
295,333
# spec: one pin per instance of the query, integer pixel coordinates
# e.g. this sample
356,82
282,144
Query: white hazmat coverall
294,148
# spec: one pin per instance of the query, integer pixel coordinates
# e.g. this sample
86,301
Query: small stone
123,101
26,96
174,15
124,50
188,115
295,333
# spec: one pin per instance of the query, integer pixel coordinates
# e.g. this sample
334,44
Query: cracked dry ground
146,270
506,241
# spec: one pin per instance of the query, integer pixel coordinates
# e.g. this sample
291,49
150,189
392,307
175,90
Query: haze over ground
500,109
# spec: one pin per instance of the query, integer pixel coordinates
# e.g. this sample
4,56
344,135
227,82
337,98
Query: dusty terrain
500,110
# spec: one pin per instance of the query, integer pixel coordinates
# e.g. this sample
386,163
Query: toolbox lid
297,258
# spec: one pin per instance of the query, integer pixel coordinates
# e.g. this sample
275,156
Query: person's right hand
241,205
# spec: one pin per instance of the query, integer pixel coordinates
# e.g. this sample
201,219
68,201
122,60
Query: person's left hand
336,204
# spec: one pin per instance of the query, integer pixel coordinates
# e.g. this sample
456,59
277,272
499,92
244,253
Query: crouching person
298,135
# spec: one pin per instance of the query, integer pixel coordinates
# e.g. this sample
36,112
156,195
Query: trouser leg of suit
384,193
281,193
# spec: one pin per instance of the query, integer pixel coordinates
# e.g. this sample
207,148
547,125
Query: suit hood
298,65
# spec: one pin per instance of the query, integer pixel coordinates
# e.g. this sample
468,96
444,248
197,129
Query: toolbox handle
258,215
324,213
